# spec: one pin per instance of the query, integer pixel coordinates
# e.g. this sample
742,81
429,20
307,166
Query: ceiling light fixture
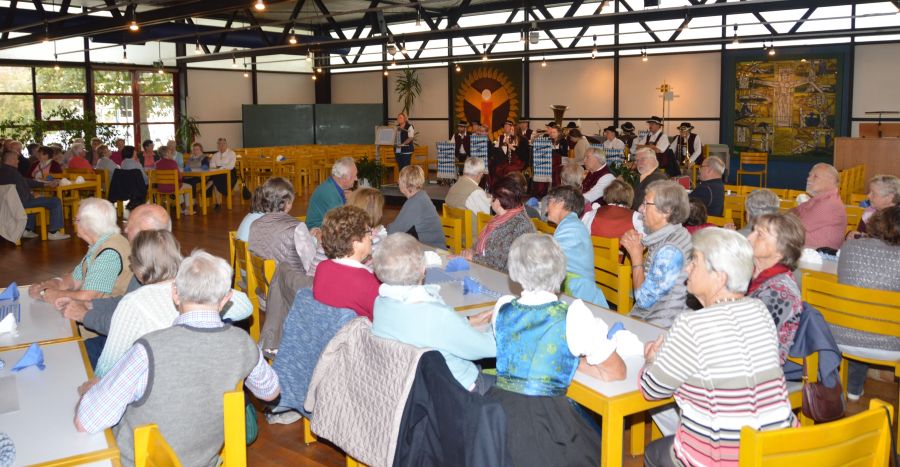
133,25
259,5
197,49
319,69
124,53
418,17
46,33
458,68
772,49
386,72
314,77
644,56
309,56
403,48
543,62
233,61
484,57
293,39
802,60
735,41
55,58
594,50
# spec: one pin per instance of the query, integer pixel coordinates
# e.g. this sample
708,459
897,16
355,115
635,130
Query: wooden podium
879,155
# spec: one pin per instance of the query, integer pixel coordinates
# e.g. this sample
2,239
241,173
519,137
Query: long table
41,323
201,193
42,428
613,401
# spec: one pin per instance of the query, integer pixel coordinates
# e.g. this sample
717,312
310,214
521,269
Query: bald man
823,216
96,314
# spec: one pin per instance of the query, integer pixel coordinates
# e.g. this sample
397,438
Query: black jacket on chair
445,425
128,185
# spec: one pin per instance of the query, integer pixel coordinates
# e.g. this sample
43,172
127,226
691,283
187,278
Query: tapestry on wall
787,107
488,93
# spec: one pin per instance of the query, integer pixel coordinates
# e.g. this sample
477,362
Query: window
16,89
157,106
114,102
64,80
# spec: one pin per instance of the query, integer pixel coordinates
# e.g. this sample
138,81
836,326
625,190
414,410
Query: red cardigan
344,286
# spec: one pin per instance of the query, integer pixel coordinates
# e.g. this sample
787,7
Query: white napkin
65,182
811,256
80,179
628,344
802,198
8,325
432,259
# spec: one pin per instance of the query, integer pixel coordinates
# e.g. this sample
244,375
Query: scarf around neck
653,238
765,275
497,221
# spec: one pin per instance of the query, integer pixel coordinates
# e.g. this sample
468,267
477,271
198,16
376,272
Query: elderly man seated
330,194
141,389
711,189
10,175
598,175
823,216
465,193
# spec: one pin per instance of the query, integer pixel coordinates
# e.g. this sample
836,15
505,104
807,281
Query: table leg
228,180
611,445
97,192
203,194
638,427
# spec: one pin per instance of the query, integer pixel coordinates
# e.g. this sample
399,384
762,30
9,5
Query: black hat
655,119
685,126
509,122
612,129
524,121
628,126
551,124
462,123
571,125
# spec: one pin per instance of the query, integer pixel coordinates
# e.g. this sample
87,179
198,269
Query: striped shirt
103,405
722,366
102,273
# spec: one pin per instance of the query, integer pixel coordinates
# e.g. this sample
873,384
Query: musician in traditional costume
688,147
657,141
613,146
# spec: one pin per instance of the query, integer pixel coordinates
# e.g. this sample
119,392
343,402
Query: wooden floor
277,444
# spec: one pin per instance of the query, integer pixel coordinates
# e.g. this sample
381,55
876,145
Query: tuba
558,112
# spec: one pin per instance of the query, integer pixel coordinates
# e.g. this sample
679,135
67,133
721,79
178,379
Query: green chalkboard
347,123
278,125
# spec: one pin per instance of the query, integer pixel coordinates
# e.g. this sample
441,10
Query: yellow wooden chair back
543,227
466,217
606,247
859,440
234,452
151,449
262,271
727,216
780,192
482,220
736,205
854,215
452,233
759,161
856,198
747,189
734,189
793,194
614,280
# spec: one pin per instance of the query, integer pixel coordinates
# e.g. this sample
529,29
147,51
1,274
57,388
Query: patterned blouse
782,297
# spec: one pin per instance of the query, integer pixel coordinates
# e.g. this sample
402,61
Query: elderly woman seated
721,362
884,192
155,259
758,203
413,313
104,271
508,224
616,217
539,342
697,217
417,217
564,205
342,281
371,201
571,175
659,291
872,263
777,241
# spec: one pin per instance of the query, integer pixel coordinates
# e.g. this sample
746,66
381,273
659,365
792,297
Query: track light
259,5
772,49
46,33
386,73
197,49
418,17
314,77
124,53
319,69
133,25
233,61
403,48
293,39
246,73
644,56
543,62
594,50
484,57
735,41
309,56
458,68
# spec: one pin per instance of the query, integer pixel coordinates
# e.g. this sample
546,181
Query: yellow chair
727,216
856,198
259,276
614,280
466,217
780,192
606,247
170,178
734,189
151,449
854,216
481,220
754,159
543,227
860,440
234,452
41,220
867,310
736,205
747,189
453,233
793,194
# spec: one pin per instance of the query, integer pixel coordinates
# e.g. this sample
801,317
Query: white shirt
479,201
662,144
695,151
616,143
599,188
223,160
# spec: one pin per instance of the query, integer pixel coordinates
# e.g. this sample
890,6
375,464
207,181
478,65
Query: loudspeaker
534,37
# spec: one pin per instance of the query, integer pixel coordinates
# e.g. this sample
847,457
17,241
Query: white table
42,428
452,292
40,322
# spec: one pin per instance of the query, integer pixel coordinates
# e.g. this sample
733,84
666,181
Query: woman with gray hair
418,216
104,271
155,259
777,241
758,203
541,342
720,363
414,313
659,292
884,192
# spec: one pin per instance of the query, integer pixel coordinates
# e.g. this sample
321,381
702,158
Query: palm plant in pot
369,172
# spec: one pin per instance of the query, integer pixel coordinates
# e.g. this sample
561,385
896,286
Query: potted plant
369,172
186,132
408,89
626,172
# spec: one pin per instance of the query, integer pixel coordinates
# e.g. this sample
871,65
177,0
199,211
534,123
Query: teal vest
533,356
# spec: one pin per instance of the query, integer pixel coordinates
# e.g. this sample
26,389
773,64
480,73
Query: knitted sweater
721,364
496,249
148,309
340,283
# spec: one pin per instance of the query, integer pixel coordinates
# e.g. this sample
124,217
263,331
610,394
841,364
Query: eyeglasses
648,204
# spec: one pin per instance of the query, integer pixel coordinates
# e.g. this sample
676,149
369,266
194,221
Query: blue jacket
575,240
814,335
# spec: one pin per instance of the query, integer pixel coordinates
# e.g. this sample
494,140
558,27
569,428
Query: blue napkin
457,264
437,276
533,202
471,286
186,169
34,356
11,292
204,167
618,326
